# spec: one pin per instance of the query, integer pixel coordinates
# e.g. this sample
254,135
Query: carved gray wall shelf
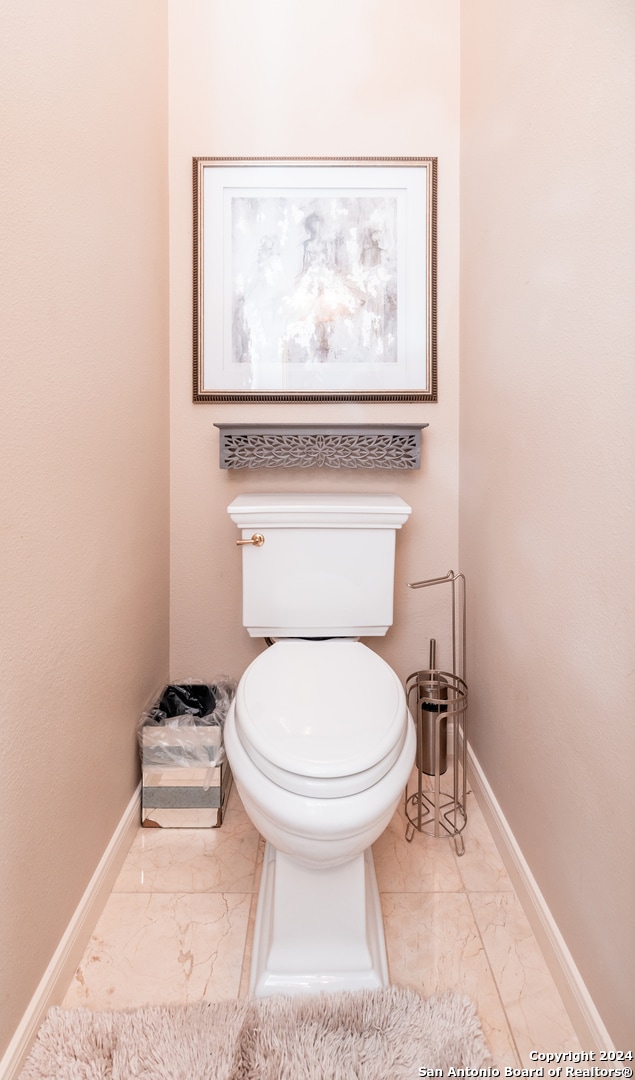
337,446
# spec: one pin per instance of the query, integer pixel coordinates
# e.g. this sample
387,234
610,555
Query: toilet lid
321,709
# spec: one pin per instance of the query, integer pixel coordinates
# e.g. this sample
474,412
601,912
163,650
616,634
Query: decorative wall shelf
337,446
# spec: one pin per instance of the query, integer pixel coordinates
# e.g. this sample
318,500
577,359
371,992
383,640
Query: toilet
318,737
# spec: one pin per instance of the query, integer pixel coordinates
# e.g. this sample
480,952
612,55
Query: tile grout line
487,956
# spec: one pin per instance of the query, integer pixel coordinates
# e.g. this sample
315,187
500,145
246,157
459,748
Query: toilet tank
326,566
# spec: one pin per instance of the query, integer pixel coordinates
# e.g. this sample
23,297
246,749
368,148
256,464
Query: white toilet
319,737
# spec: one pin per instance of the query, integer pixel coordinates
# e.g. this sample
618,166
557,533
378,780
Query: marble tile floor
177,928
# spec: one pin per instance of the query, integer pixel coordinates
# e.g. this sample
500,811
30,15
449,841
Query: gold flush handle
257,540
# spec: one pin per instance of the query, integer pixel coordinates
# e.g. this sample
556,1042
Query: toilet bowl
321,746
319,737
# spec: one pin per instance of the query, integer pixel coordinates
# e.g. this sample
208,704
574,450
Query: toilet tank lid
326,509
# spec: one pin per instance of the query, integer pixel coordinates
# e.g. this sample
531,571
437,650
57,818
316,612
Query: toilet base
317,930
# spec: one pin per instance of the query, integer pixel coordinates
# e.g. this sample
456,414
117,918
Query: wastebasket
185,775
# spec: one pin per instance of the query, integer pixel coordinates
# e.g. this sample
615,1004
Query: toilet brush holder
432,728
438,702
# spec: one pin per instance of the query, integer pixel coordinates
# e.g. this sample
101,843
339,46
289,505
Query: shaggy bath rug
386,1034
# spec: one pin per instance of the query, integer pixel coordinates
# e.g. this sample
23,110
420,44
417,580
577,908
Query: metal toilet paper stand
438,702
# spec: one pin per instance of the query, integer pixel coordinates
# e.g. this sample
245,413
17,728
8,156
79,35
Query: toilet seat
323,719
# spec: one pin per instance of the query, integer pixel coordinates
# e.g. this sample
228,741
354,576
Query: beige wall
547,454
286,79
83,445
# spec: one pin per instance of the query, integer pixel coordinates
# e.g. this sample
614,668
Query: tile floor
177,928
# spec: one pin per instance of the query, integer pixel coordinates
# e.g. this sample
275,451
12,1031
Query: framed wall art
315,279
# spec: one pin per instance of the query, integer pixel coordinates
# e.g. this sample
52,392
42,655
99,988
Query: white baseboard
56,978
584,1016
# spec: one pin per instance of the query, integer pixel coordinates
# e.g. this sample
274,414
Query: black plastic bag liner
193,699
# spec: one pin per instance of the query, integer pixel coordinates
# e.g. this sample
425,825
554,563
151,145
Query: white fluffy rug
384,1034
